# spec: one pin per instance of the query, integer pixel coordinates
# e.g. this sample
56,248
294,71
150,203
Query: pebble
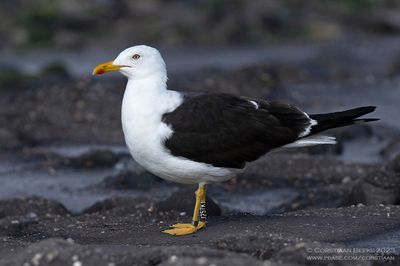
172,259
36,259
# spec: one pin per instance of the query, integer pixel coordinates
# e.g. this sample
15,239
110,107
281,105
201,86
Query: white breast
145,133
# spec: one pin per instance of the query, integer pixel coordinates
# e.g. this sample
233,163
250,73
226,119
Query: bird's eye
136,56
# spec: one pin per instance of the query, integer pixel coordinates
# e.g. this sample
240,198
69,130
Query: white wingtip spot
254,103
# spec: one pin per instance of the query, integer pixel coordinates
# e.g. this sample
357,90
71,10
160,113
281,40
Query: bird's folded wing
227,131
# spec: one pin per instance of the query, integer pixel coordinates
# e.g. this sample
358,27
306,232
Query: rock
8,140
10,74
91,159
184,200
56,252
261,246
378,187
51,111
30,206
211,258
18,217
56,70
121,206
302,252
394,165
391,149
295,254
130,179
384,20
263,81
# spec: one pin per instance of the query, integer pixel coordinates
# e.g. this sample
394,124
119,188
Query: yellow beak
105,67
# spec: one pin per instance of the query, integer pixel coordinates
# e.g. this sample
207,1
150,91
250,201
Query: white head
136,62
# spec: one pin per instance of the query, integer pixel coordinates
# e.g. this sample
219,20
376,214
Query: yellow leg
199,216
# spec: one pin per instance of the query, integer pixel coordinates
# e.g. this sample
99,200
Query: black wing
227,131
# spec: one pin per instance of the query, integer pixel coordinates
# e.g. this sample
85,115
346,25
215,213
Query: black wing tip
341,119
358,112
369,109
363,110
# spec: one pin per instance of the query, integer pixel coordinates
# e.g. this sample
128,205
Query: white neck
148,98
155,83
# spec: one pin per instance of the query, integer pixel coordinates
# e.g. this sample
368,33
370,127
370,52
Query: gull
206,138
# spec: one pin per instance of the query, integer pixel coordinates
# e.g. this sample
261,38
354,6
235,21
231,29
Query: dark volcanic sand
67,200
127,235
125,230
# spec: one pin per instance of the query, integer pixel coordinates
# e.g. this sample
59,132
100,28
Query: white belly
145,134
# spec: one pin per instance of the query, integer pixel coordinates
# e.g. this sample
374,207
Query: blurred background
62,151
276,49
75,25
60,130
